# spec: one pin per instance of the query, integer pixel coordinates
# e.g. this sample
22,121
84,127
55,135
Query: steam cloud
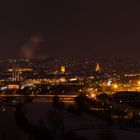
34,48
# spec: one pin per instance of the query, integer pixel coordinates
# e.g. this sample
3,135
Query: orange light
13,86
115,86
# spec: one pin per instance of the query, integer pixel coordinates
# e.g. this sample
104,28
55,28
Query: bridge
39,98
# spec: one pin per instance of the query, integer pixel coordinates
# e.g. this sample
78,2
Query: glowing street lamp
115,86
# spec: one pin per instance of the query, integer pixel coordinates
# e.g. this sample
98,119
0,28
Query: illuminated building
15,73
16,70
97,69
63,69
21,69
12,86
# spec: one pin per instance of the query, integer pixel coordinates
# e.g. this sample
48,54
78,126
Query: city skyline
69,70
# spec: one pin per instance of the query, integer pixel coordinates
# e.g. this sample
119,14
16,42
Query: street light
115,86
139,82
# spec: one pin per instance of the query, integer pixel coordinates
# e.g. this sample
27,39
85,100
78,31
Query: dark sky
73,28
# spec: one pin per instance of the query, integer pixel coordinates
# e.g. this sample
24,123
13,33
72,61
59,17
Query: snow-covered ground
8,127
82,125
40,112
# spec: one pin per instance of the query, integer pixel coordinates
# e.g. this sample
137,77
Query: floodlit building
63,69
97,69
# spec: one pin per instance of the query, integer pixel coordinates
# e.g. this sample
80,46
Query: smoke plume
34,48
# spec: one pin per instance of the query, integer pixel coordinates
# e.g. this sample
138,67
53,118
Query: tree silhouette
57,103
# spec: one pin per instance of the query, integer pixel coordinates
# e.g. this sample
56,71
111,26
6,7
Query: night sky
70,28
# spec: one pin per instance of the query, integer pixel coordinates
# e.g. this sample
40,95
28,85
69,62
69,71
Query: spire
97,69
